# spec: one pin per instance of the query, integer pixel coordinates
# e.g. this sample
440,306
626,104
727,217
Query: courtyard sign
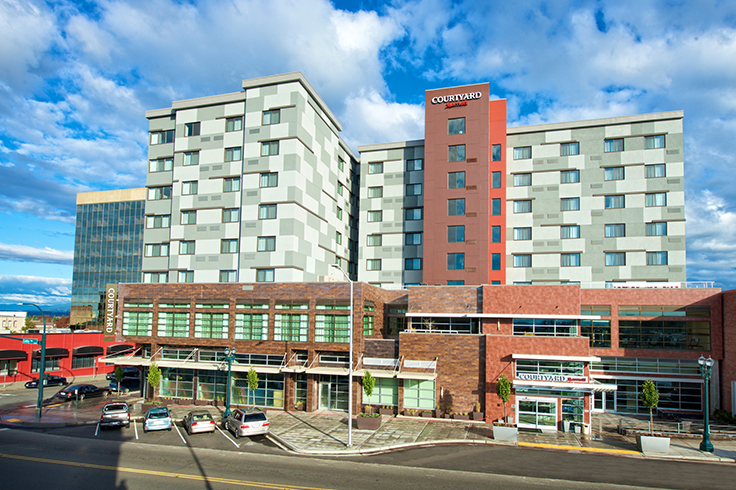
456,100
111,296
560,378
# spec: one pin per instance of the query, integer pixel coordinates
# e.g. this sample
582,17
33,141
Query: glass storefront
537,413
333,392
270,391
177,382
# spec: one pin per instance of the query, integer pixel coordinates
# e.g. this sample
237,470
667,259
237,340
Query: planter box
428,414
508,434
368,423
478,415
386,411
457,416
200,403
653,444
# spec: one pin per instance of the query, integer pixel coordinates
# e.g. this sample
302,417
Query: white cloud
25,253
46,292
374,120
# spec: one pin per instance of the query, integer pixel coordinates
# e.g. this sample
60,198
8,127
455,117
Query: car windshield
116,408
158,415
201,417
254,417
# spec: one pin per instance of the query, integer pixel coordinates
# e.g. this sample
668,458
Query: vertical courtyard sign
111,296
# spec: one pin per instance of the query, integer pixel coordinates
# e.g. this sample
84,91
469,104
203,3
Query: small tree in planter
253,383
650,399
119,377
154,377
503,390
369,384
504,432
368,421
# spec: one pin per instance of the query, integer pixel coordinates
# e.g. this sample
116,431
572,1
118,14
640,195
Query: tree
253,383
119,376
29,323
650,399
503,390
369,383
154,376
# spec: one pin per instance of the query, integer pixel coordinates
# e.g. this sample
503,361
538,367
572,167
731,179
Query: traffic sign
30,341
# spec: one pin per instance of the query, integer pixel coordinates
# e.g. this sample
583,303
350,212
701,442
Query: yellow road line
242,483
579,448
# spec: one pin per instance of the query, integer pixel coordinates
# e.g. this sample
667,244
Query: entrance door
604,401
537,413
333,392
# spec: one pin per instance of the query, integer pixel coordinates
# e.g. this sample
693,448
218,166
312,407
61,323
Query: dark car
49,380
128,372
80,392
126,385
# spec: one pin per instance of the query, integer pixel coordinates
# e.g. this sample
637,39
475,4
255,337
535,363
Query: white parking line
97,429
228,437
135,428
179,432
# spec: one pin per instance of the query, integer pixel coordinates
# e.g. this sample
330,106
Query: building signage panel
456,100
111,297
559,378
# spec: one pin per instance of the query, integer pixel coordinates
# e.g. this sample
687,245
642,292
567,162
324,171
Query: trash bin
565,426
586,429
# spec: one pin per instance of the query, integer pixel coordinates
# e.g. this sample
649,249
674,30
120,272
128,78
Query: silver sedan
198,421
246,423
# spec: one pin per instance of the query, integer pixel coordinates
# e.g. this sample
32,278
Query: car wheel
127,426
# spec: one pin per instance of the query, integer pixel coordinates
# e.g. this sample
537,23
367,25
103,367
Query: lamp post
706,370
229,356
43,360
350,366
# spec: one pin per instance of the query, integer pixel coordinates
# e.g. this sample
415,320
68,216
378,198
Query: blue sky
76,78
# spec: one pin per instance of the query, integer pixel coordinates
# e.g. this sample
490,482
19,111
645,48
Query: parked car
244,422
49,380
198,421
80,392
128,372
115,414
157,418
130,384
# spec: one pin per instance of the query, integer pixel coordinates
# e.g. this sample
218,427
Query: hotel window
229,246
522,152
265,275
455,234
291,328
652,142
173,324
266,243
340,188
456,126
569,176
615,202
656,258
455,261
338,237
232,154
570,260
415,164
495,234
189,188
211,325
271,117
233,124
375,240
523,233
456,153
413,264
567,149
375,216
269,148
523,260
570,204
657,229
456,180
375,192
159,193
160,165
191,158
373,264
495,207
615,230
368,325
155,277
613,145
339,213
137,323
232,184
521,180
375,168
456,207
613,173
413,189
654,171
495,180
269,179
569,231
522,206
495,153
191,129
186,247
157,250
230,215
413,239
413,214
189,217
655,200
267,211
228,276
251,326
332,328
160,137
615,258
163,221
598,331
495,262
340,164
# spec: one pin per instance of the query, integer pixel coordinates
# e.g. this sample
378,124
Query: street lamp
706,369
43,360
229,356
350,366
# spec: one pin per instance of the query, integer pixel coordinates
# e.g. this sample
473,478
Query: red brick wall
728,364
535,300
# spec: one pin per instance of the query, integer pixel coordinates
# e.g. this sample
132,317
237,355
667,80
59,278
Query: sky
76,78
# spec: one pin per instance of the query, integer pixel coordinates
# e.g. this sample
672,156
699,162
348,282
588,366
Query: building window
615,230
495,153
191,158
340,188
232,184
456,125
375,240
189,217
332,328
456,153
375,168
191,129
234,124
455,234
157,250
612,145
160,165
228,276
211,325
368,325
523,233
159,193
456,207
569,231
615,258
160,137
291,328
569,176
456,180
522,206
570,260
373,264
615,202
523,260
338,237
186,276
654,171
266,243
251,326
521,180
656,258
229,246
186,247
413,264
138,323
271,117
339,213
657,229
598,331
570,204
547,328
455,261
495,234
230,215
413,214
375,192
163,221
522,152
269,179
495,262
269,148
655,200
265,275
495,207
189,188
413,239
173,324
233,154
415,164
495,180
613,173
419,394
567,149
652,142
155,277
661,335
413,189
375,216
267,211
